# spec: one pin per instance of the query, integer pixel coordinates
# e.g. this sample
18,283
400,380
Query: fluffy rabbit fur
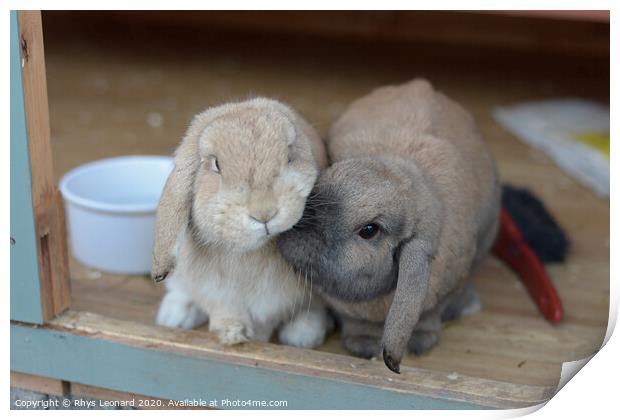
412,175
242,175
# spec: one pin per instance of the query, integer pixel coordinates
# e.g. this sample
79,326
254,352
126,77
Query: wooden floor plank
321,365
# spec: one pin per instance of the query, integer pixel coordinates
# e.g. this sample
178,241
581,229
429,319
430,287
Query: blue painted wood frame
161,374
26,298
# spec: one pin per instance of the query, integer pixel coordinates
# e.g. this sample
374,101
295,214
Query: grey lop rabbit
396,226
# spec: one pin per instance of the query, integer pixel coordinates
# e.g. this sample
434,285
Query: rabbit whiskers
310,299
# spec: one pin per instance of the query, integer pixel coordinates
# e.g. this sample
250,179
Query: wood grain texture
178,373
100,111
40,384
49,213
291,360
513,343
25,281
518,31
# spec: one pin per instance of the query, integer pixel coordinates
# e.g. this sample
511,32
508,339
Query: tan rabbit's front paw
231,332
178,311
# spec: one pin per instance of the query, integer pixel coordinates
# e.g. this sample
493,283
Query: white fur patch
246,295
307,329
177,311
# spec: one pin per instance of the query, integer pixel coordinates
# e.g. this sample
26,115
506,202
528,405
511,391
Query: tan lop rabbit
241,177
396,226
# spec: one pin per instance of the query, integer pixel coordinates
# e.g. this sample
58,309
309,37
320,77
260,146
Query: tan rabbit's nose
264,217
262,207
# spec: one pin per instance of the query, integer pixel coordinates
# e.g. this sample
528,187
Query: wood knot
24,48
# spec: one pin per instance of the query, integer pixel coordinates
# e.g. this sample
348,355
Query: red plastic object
513,250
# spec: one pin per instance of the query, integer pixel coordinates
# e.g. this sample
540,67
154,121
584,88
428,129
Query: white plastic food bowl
110,206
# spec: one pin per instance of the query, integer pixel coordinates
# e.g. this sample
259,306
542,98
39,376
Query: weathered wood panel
26,291
177,364
46,199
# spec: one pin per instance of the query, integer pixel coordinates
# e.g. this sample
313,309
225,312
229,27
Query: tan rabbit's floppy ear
174,206
176,198
414,270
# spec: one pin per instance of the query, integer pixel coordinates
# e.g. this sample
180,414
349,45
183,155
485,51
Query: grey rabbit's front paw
422,341
363,346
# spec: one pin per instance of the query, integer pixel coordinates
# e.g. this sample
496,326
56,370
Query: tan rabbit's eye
291,154
215,166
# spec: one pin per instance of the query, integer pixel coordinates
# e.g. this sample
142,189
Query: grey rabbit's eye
215,166
369,231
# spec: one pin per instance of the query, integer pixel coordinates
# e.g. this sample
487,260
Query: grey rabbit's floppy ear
414,268
174,206
414,271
